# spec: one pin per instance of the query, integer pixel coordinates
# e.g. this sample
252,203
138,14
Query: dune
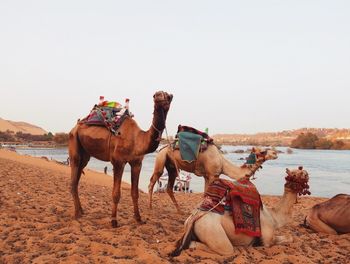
37,224
21,127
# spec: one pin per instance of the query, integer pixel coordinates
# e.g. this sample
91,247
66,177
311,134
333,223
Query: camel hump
107,115
342,195
205,136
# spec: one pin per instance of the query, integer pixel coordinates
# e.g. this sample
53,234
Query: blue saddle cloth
189,145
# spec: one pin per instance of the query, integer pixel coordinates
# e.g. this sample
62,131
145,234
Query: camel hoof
140,222
78,214
114,223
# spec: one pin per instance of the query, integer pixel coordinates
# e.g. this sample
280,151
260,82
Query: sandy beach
37,224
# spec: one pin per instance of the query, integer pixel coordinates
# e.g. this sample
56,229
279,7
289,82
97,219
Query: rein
254,167
160,131
211,209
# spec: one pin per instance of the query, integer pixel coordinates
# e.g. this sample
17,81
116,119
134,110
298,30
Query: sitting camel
218,233
331,217
128,145
209,164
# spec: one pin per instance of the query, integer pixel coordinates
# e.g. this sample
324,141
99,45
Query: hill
283,138
20,127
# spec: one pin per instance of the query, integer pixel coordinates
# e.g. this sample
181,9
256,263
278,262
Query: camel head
297,180
264,154
162,100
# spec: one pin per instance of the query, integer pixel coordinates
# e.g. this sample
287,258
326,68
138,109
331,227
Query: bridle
160,130
259,159
297,184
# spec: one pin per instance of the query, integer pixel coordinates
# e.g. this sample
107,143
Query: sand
37,224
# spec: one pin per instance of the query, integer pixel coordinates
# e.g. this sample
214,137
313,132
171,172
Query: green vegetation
48,139
312,141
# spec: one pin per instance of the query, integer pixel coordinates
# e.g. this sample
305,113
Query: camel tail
188,236
183,242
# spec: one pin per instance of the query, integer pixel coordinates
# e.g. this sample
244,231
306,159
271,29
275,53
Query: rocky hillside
20,127
283,138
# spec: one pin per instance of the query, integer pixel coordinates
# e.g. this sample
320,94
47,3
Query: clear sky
232,66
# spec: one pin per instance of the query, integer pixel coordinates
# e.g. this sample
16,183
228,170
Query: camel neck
238,172
154,133
254,167
233,171
282,213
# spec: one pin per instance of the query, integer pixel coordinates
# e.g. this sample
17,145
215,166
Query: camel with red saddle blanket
331,216
210,164
128,145
221,232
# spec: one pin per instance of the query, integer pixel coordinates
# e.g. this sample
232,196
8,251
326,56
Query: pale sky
232,66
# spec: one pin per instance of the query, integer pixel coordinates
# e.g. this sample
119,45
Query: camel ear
287,171
170,97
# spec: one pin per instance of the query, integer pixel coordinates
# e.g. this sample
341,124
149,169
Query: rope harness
298,184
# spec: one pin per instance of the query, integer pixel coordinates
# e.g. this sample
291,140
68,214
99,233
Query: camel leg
173,173
157,173
214,237
135,174
281,240
317,225
155,177
267,230
78,163
201,246
118,169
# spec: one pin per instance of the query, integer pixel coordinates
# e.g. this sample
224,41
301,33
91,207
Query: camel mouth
163,99
273,156
162,96
266,154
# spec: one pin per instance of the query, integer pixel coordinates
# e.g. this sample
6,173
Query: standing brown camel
217,232
128,145
331,217
209,164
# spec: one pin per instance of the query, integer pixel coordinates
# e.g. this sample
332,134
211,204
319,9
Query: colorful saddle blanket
190,142
241,197
205,136
110,117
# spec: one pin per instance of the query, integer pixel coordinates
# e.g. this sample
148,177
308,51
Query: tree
338,144
61,138
323,143
5,136
305,141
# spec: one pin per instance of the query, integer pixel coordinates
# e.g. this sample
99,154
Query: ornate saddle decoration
241,198
190,142
109,117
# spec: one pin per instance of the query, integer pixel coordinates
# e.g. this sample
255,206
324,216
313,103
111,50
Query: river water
329,170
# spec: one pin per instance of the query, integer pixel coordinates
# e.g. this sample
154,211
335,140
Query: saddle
190,142
107,116
239,197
